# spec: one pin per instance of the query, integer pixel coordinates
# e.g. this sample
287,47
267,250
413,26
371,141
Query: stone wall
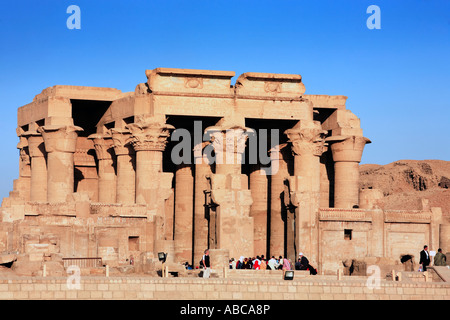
218,289
376,236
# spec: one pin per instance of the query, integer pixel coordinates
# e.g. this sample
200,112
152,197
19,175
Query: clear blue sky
396,78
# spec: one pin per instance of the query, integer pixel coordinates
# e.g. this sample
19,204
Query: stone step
442,272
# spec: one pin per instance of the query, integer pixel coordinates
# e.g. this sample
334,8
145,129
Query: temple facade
189,161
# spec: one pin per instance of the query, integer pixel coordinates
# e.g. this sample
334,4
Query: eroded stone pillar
60,145
125,164
347,153
184,210
202,170
258,210
280,158
149,140
307,141
103,145
229,190
38,184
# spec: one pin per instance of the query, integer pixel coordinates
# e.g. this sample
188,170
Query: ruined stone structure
98,176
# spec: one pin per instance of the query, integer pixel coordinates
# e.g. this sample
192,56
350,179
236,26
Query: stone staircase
442,272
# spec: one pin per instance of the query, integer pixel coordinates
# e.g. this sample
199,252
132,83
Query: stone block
270,85
190,81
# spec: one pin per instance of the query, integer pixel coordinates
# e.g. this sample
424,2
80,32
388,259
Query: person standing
440,259
206,265
424,258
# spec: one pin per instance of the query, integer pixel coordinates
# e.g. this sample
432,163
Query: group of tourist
258,263
302,263
280,263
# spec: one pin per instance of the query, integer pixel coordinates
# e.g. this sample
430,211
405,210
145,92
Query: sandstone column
60,145
258,210
307,140
202,170
184,209
125,163
38,187
347,153
149,140
229,190
106,173
280,159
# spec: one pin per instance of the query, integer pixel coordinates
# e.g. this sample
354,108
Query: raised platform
130,287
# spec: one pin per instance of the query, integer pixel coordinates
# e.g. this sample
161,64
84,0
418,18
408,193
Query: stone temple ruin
98,183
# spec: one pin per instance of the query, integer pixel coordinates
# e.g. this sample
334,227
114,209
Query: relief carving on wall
193,83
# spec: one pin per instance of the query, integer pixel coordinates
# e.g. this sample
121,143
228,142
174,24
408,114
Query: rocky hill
404,183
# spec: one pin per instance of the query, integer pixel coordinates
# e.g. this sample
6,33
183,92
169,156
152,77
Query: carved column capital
60,138
120,138
307,139
24,156
229,140
280,152
103,145
35,141
23,141
347,148
149,136
199,155
23,148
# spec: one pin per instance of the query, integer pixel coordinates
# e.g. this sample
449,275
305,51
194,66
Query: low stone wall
313,288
